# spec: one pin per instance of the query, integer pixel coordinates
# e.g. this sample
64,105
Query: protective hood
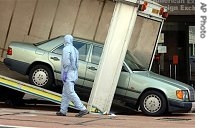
68,39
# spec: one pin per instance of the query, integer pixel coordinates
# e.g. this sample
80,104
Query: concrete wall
36,20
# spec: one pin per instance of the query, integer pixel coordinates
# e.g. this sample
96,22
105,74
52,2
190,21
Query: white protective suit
69,64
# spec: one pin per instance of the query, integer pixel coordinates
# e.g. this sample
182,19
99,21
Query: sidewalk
48,119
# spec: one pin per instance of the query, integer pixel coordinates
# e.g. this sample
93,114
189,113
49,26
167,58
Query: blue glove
64,76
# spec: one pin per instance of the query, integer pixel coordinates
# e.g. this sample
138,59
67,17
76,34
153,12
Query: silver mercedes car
138,88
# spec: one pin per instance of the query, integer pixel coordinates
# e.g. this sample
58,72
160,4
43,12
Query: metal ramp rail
37,91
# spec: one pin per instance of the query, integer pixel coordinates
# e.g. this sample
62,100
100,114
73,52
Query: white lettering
170,1
172,8
187,8
190,1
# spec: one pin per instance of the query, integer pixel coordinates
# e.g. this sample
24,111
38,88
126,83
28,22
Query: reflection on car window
81,47
58,50
50,44
132,64
124,69
97,51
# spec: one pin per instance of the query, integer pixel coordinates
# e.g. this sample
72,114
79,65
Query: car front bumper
179,106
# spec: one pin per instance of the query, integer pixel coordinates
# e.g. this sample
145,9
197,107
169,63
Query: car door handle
54,58
92,68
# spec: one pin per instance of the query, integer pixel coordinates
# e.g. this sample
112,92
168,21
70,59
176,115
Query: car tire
153,103
41,76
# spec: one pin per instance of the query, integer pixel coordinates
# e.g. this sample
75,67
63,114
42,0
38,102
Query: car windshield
132,63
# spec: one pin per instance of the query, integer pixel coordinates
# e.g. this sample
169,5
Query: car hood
164,79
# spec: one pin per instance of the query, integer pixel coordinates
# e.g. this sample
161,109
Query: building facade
176,55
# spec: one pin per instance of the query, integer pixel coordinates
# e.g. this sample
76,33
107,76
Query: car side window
124,69
97,51
81,47
58,50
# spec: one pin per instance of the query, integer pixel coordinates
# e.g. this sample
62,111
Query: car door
56,55
123,82
55,58
84,53
92,65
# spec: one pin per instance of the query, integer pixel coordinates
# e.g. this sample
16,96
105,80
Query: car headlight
182,94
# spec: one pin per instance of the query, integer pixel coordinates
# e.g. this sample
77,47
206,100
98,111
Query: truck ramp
37,91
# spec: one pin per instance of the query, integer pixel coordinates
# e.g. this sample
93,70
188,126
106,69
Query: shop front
175,56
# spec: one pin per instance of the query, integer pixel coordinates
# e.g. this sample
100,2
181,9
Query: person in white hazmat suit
69,76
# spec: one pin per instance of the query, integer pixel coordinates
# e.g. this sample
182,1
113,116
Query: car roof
89,41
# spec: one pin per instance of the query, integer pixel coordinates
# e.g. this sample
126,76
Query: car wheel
152,103
42,76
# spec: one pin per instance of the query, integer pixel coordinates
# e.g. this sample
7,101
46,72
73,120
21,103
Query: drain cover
174,119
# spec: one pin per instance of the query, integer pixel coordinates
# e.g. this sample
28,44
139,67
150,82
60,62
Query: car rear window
48,45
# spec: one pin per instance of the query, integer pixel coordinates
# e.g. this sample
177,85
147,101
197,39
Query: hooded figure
69,76
69,63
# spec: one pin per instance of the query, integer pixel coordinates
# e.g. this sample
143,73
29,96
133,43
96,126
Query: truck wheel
153,103
42,76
